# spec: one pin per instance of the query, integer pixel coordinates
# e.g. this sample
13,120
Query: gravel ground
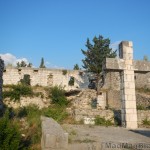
87,137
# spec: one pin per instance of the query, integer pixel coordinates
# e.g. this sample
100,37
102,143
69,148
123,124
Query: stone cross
1,81
127,67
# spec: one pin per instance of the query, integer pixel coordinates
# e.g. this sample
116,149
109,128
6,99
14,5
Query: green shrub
140,107
17,91
102,121
58,96
10,137
146,122
64,72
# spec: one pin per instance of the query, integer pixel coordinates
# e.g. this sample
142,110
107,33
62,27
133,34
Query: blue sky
57,29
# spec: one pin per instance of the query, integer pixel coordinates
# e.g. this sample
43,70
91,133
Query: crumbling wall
46,77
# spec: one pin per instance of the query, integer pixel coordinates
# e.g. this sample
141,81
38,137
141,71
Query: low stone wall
143,99
53,136
80,114
27,101
143,114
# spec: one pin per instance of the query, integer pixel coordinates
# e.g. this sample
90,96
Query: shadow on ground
142,132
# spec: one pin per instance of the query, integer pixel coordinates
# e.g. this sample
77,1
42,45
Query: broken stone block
53,136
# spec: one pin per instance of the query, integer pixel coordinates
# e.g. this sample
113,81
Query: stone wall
46,77
143,114
49,77
81,114
1,81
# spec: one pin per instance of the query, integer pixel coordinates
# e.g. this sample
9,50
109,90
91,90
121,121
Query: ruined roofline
44,69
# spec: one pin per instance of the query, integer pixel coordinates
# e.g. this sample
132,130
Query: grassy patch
102,121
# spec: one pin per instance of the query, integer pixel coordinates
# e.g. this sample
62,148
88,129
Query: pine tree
96,54
42,63
76,67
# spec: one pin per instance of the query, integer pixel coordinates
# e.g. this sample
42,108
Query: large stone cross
127,67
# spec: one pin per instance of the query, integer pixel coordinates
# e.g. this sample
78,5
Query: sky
57,30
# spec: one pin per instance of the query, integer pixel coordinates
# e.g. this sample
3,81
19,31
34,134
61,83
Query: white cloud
11,59
115,45
50,65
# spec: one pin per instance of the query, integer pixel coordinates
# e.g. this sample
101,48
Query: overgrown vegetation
16,91
31,123
102,121
10,137
57,95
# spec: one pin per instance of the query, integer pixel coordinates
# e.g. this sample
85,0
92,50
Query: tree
145,58
21,64
29,65
42,63
76,67
95,55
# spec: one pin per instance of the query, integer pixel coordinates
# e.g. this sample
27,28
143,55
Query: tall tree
96,54
42,63
76,67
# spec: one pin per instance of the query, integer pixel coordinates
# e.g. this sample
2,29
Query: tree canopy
23,64
76,67
96,54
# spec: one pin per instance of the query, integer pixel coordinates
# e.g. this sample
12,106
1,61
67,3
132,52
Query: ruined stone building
52,77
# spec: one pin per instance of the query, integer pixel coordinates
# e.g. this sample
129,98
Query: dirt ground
87,137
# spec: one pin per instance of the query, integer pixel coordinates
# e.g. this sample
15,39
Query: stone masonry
53,136
126,66
128,100
46,77
1,81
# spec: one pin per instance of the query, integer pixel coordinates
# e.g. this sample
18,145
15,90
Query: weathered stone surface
46,77
1,81
125,66
53,136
